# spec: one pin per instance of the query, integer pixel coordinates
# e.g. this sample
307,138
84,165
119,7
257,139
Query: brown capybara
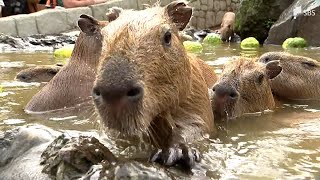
299,79
73,84
244,87
148,85
226,30
207,72
41,73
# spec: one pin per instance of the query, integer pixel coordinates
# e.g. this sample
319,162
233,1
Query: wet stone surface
36,42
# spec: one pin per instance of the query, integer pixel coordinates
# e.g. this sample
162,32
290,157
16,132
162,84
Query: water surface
284,144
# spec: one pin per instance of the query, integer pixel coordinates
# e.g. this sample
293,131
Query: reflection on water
283,144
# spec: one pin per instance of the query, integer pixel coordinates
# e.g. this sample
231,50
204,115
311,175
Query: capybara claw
180,155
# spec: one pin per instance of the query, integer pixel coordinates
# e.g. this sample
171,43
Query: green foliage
249,43
194,47
212,39
296,42
64,52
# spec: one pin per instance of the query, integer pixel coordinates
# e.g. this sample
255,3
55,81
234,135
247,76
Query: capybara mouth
124,118
223,107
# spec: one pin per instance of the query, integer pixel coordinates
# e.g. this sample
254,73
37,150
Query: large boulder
305,25
255,17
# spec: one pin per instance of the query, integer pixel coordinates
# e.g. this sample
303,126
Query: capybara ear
88,24
113,13
273,68
180,13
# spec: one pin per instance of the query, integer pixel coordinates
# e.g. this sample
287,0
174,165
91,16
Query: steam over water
283,144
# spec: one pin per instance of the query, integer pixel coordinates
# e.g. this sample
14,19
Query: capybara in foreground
299,79
42,73
148,85
73,83
227,26
244,87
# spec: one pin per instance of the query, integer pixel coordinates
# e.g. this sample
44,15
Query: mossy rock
192,46
1,89
64,52
296,42
212,39
249,43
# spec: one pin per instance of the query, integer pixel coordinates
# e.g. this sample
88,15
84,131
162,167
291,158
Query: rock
194,47
210,17
249,43
296,42
216,6
254,18
70,157
212,39
228,2
219,17
36,42
210,5
20,149
51,22
223,5
26,25
202,14
10,26
204,2
204,7
306,25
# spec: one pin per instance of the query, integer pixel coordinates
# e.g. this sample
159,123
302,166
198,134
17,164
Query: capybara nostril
135,93
225,91
114,93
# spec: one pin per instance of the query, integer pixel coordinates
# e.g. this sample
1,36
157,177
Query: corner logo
296,11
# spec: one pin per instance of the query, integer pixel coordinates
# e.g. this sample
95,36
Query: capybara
227,26
41,73
148,85
73,84
299,78
244,87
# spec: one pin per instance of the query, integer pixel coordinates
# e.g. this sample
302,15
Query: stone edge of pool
54,21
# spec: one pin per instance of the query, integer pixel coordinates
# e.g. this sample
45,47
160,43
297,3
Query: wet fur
299,78
241,75
73,84
176,105
41,73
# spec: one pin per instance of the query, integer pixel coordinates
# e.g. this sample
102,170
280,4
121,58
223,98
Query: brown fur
227,26
73,84
42,73
244,87
175,105
299,78
207,72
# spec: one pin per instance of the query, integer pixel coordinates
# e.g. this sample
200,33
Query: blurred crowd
14,7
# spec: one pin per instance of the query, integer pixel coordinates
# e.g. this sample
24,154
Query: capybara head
244,87
299,78
144,70
227,26
41,73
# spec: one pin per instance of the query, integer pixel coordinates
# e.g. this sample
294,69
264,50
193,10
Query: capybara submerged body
147,84
244,87
73,84
42,73
299,79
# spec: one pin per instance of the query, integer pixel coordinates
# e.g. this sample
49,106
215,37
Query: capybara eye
167,38
23,77
266,59
96,92
260,79
309,64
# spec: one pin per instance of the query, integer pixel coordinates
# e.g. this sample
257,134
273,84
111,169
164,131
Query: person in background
72,3
1,5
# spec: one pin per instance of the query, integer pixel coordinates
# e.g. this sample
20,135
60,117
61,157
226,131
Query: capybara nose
225,92
115,93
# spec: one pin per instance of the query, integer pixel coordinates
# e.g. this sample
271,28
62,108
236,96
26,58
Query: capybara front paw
177,154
